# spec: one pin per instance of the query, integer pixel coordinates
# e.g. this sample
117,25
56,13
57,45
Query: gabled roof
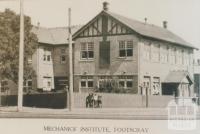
54,36
146,30
178,77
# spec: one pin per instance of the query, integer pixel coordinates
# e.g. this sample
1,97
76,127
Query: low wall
159,101
111,100
40,100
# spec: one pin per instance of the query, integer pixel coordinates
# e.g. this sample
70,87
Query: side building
197,79
50,61
133,57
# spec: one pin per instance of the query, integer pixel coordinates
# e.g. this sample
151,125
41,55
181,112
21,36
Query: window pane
129,44
122,53
63,58
90,46
49,84
48,58
129,84
83,46
84,54
90,83
83,84
44,57
129,52
29,83
121,83
121,44
90,54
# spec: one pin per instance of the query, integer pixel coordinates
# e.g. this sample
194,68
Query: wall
110,100
44,69
161,69
118,66
60,69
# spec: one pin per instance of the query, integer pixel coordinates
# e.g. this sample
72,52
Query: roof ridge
138,21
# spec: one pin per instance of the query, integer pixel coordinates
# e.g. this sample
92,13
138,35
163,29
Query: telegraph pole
21,59
71,98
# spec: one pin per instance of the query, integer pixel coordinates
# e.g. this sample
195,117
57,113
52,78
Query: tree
9,45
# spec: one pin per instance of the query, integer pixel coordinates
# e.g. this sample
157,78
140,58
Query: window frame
61,59
87,50
125,79
4,86
123,46
47,55
86,79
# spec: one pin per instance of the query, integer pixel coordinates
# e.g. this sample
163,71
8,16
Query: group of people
93,101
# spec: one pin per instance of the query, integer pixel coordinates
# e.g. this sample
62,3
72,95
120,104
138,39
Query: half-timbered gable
103,25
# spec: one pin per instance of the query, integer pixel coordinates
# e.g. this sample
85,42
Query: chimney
105,6
38,25
165,24
145,20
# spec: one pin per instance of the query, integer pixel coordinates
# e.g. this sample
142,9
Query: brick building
140,58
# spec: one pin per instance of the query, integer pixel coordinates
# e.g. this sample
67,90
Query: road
90,113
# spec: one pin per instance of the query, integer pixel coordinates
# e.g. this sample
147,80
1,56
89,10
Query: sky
183,16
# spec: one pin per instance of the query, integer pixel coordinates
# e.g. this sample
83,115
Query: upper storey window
147,51
87,50
125,48
47,54
156,53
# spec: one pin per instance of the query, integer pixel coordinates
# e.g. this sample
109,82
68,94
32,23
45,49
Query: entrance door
47,84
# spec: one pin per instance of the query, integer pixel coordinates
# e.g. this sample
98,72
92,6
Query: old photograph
101,59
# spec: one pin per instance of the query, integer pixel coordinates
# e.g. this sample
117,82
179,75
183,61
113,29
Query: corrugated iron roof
177,77
54,36
150,30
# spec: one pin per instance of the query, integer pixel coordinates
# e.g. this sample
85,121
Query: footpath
88,113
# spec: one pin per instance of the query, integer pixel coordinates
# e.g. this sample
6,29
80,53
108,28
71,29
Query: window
4,85
147,51
29,60
87,50
63,51
104,81
173,55
179,56
156,86
47,54
186,57
44,57
63,59
156,53
164,54
49,84
87,82
125,48
28,85
48,57
126,82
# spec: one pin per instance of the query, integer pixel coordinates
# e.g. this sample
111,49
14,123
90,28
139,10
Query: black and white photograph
99,66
